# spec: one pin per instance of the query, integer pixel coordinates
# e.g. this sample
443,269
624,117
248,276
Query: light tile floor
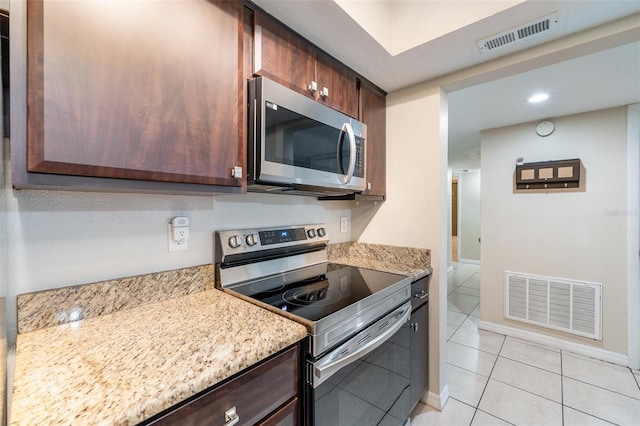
499,380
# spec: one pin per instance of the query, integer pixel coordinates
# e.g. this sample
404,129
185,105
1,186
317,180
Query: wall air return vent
566,305
521,32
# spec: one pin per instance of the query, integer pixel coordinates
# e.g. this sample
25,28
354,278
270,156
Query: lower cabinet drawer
255,394
288,415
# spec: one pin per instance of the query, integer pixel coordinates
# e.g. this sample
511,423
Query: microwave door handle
346,127
323,370
339,150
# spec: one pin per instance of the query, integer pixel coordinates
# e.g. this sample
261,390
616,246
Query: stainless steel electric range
357,355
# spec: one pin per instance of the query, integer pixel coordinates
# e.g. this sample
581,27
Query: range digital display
282,236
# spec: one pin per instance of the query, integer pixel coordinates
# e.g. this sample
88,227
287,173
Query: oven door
364,381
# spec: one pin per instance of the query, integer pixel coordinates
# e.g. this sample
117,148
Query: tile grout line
635,377
562,384
456,330
487,384
586,383
531,365
602,388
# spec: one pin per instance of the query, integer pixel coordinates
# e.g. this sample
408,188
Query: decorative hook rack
561,174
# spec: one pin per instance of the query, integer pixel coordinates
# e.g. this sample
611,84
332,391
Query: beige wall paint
415,213
574,235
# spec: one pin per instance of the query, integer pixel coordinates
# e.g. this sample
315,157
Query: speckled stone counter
412,262
124,367
57,306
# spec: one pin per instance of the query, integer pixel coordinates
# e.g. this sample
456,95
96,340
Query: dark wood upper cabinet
373,114
136,90
283,56
341,84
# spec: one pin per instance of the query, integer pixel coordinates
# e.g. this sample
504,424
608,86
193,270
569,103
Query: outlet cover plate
344,223
174,245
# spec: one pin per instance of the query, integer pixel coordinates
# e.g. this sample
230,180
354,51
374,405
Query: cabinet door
373,114
137,90
282,55
287,415
419,353
341,84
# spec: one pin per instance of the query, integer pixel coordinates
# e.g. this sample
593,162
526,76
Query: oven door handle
361,344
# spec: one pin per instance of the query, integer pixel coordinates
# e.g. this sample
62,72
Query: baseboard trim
554,342
472,261
435,400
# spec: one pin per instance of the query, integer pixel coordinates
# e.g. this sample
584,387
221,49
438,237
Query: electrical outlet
178,233
344,223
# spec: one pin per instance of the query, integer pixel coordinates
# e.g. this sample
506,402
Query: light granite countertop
412,262
126,366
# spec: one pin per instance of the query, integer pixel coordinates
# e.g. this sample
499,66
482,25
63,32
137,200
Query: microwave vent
525,31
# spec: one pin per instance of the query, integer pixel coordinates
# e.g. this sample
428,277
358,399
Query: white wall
469,216
386,21
415,213
573,235
633,231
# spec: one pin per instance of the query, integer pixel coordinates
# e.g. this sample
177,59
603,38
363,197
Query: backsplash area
53,307
63,305
400,260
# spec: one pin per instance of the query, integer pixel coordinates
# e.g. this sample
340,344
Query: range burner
311,296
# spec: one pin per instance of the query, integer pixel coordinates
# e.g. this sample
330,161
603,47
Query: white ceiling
601,80
605,76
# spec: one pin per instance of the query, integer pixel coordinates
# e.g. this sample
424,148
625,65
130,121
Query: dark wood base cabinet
267,394
419,339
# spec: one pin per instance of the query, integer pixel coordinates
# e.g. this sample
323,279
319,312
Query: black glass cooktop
316,292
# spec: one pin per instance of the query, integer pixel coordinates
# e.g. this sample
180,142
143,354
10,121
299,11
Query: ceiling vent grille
512,36
565,305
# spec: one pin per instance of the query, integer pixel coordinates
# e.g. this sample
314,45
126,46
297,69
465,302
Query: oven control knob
311,233
322,232
235,241
251,240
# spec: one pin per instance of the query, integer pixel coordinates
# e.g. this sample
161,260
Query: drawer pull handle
231,417
421,295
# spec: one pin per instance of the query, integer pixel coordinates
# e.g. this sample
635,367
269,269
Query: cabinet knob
313,87
231,417
414,326
324,92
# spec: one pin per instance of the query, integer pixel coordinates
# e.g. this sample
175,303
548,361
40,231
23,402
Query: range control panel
257,239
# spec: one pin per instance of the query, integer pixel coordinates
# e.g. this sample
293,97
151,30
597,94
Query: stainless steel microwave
299,146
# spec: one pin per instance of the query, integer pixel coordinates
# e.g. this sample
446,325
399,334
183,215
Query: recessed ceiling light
539,97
